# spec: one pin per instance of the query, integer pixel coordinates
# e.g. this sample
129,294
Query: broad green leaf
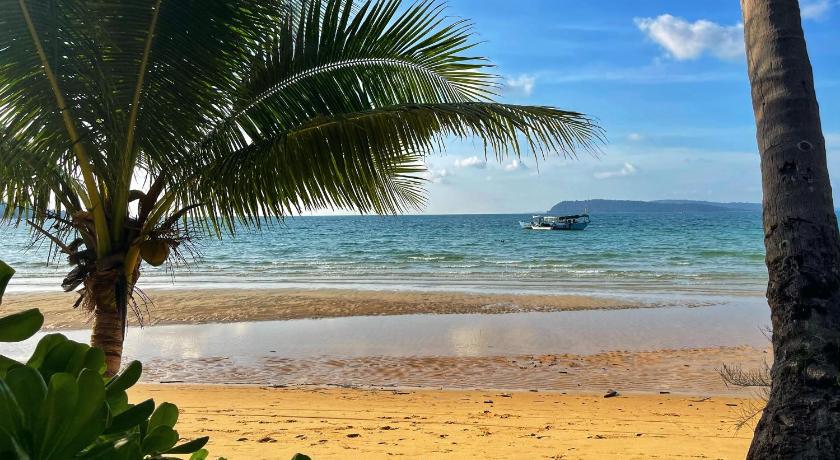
159,440
132,416
6,364
125,379
11,416
69,357
101,451
89,415
189,447
63,358
117,402
116,448
45,345
165,415
56,411
6,273
200,455
20,326
29,389
20,452
95,360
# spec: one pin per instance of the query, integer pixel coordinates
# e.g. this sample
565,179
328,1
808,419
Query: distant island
611,206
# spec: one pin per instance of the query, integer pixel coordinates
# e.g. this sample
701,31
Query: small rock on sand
611,394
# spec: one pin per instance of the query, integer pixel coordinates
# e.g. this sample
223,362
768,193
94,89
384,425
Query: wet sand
281,386
687,371
267,423
590,344
235,305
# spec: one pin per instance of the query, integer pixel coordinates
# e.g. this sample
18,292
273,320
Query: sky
667,80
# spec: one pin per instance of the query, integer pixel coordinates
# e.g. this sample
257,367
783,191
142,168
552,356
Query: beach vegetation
59,404
130,128
756,379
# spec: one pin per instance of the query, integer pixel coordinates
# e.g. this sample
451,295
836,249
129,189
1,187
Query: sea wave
678,251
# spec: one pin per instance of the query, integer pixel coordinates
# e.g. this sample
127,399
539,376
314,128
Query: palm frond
371,160
238,110
343,61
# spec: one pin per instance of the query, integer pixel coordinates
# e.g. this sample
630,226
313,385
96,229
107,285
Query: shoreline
268,423
203,306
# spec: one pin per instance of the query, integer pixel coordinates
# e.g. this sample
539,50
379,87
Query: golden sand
269,423
252,422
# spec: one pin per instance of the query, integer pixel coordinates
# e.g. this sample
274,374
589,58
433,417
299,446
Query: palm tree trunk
802,418
108,333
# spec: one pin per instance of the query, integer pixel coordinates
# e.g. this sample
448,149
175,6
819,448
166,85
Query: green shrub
58,405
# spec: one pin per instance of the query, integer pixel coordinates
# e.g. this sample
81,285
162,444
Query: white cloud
626,170
515,165
685,40
436,176
522,85
471,162
815,9
635,137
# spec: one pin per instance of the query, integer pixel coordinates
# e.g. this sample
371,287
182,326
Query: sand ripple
690,371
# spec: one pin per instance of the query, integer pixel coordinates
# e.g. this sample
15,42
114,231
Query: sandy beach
384,339
268,423
385,392
181,306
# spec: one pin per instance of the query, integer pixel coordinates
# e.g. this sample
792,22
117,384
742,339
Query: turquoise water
639,253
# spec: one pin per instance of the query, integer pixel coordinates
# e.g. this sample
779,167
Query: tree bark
108,334
103,289
802,417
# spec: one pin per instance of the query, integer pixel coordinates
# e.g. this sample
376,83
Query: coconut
154,252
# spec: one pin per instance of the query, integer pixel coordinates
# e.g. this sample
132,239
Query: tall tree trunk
106,291
108,334
802,418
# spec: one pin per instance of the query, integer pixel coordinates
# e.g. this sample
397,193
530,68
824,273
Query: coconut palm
128,125
801,419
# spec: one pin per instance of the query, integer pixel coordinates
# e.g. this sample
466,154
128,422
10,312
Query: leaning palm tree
128,125
802,417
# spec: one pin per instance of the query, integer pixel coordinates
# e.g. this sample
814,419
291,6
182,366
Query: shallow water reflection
457,350
571,332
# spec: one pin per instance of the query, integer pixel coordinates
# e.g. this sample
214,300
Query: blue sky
666,79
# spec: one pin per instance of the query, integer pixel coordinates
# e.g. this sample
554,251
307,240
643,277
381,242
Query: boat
573,222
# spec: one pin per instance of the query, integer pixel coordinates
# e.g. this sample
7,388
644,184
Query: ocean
704,271
646,254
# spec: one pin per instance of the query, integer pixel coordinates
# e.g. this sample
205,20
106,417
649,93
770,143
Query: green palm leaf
368,148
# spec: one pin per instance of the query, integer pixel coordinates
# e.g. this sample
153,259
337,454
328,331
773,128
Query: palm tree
802,417
128,125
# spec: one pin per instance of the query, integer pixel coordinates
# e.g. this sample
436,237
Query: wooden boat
573,222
